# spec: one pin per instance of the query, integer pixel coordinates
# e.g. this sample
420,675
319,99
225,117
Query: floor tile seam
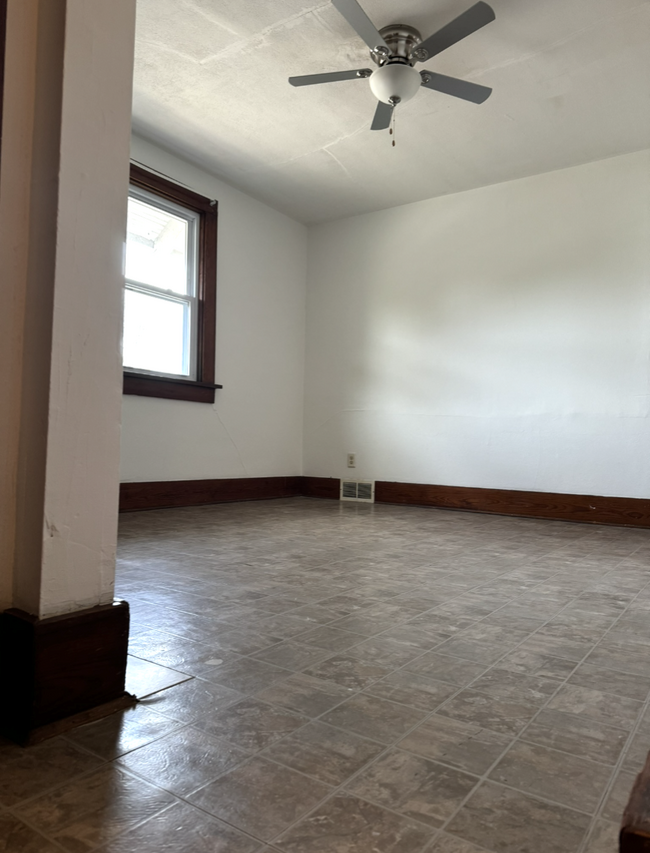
340,790
39,832
565,681
597,764
483,780
356,692
323,723
171,669
332,792
478,621
181,800
327,653
308,720
141,776
432,648
285,674
124,831
590,833
440,834
555,615
479,781
174,636
617,768
387,748
395,743
520,734
516,738
540,797
52,789
364,637
499,698
508,601
413,660
180,726
553,678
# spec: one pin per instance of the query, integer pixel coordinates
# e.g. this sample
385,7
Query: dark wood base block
57,668
126,700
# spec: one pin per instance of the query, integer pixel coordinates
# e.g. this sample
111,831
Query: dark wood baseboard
321,487
594,509
56,668
173,493
136,496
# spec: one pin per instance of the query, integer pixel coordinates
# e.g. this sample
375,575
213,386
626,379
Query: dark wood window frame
201,389
3,41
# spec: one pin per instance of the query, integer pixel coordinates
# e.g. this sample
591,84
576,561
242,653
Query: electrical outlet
352,462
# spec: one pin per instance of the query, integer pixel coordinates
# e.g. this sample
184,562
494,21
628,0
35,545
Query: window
170,291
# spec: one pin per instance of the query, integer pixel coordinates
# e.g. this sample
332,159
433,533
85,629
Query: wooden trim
134,496
202,389
168,388
3,42
126,700
631,512
55,668
321,487
594,509
160,185
158,495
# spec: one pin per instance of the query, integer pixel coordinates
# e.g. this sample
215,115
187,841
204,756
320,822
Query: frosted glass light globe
395,81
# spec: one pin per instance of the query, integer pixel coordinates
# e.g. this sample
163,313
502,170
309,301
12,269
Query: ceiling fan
395,49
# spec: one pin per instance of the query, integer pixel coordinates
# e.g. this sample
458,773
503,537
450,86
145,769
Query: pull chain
392,129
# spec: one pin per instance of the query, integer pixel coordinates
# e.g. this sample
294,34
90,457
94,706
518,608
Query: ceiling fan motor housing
401,39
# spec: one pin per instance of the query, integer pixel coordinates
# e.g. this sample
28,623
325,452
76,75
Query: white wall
254,428
495,338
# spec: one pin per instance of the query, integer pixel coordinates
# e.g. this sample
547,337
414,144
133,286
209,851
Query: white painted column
70,184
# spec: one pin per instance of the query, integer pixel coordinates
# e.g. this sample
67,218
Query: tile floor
318,677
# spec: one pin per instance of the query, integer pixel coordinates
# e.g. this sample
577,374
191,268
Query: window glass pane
156,247
155,333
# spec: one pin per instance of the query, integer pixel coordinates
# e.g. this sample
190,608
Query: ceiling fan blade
458,88
383,115
473,19
330,77
359,21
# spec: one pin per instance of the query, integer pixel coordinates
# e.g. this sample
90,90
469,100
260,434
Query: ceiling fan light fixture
395,83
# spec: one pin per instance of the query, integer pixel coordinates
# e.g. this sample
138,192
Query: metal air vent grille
352,490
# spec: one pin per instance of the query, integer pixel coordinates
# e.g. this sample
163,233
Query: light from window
160,303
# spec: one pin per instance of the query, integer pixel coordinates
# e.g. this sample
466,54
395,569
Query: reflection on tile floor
327,678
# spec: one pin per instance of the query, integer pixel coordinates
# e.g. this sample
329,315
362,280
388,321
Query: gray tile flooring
318,677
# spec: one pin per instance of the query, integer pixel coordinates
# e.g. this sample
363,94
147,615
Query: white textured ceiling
571,82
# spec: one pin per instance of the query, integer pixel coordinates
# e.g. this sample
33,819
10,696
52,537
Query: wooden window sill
170,389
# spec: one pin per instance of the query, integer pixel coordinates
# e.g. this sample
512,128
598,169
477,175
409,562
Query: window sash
190,299
189,331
